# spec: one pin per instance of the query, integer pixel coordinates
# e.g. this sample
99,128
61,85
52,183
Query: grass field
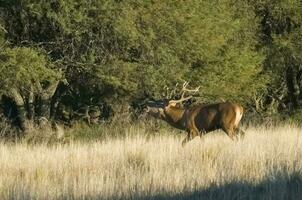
267,164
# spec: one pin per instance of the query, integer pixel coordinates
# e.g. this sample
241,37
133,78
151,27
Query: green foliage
25,68
154,43
228,64
281,42
117,51
2,33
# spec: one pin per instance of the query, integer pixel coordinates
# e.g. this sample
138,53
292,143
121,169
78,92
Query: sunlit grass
267,164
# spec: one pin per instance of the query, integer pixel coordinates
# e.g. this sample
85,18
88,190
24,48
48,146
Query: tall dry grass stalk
267,164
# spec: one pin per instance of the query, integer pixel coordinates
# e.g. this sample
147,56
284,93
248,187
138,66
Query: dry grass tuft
267,164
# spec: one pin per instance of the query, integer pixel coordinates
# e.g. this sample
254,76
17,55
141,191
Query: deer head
160,108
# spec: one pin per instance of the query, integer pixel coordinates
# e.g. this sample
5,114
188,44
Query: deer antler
165,91
184,89
183,92
169,93
173,92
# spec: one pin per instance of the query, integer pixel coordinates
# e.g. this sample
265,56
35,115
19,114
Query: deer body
201,119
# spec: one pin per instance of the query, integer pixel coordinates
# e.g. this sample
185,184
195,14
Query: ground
266,164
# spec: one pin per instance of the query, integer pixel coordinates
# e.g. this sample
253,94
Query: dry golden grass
267,164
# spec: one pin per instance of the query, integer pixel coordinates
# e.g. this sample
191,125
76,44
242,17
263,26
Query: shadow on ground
275,188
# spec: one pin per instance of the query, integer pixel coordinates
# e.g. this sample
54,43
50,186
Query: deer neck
176,117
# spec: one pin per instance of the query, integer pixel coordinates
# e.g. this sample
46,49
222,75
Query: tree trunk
45,100
31,106
293,86
60,90
23,122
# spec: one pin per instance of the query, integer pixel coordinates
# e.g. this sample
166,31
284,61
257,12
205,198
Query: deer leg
184,142
237,134
191,135
230,132
240,133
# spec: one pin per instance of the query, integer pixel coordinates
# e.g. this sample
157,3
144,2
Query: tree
30,80
280,39
114,52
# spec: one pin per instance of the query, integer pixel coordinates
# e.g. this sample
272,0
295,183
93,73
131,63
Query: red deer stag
199,119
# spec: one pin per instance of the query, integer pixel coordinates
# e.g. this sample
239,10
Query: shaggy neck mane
175,117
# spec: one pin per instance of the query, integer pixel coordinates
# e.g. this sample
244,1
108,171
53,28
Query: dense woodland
89,60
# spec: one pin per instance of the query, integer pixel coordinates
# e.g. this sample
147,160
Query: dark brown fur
201,119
